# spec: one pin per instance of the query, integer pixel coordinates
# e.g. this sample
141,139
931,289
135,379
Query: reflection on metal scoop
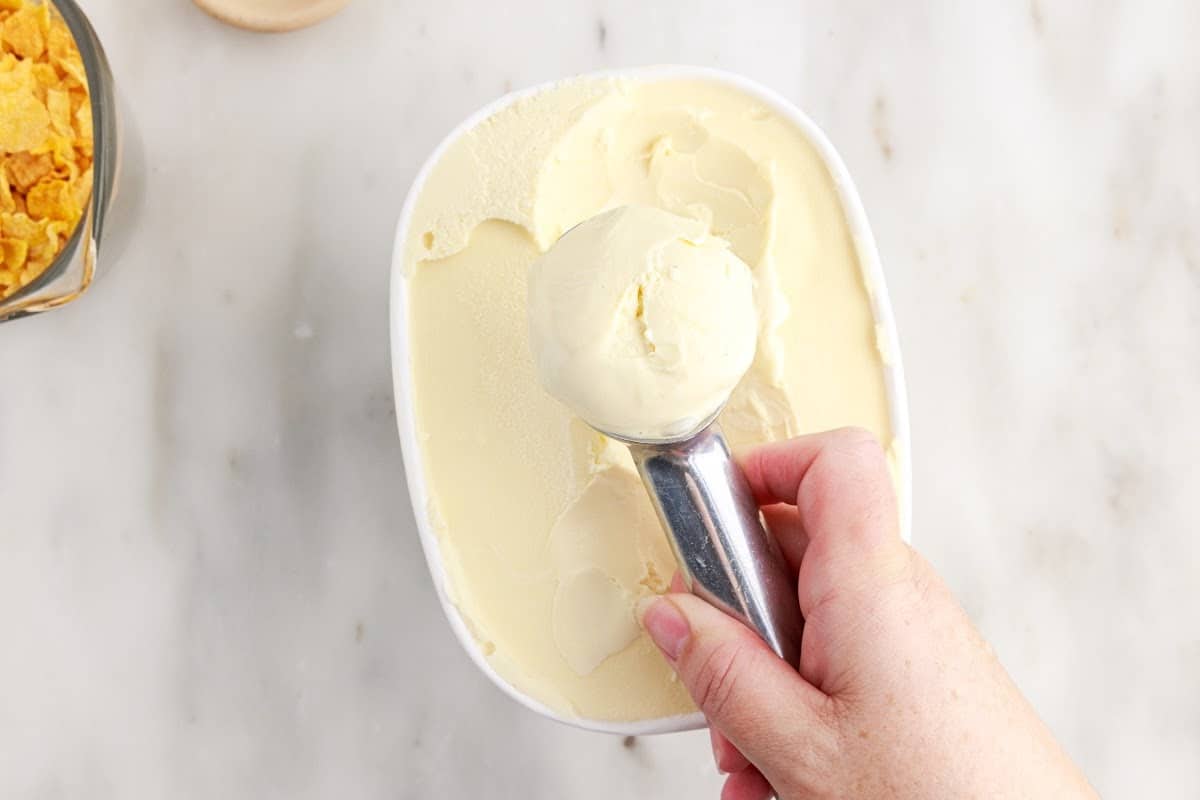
705,504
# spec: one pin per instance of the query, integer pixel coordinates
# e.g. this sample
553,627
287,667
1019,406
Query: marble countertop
210,583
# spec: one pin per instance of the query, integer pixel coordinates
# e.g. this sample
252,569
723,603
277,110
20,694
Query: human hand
897,694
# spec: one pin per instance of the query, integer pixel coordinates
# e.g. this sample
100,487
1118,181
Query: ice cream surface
641,322
547,537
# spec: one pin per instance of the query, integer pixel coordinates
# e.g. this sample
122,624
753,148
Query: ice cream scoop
643,323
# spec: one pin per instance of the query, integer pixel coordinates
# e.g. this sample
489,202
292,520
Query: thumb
762,705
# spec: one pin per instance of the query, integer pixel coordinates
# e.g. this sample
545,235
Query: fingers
756,700
783,523
847,493
775,470
677,584
749,784
727,757
838,481
745,782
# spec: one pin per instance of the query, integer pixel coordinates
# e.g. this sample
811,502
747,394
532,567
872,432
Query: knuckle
859,442
852,472
855,435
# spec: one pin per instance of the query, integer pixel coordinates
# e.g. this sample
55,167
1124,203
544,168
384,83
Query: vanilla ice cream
547,537
642,322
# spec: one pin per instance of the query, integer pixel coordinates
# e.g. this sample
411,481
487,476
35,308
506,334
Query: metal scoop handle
705,504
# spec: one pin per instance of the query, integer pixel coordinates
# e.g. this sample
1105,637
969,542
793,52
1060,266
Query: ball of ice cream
641,322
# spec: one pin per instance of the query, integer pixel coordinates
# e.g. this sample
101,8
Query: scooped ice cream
641,322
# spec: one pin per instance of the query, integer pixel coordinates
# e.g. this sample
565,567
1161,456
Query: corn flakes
25,169
46,141
23,33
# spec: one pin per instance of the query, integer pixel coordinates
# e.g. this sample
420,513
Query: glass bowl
72,272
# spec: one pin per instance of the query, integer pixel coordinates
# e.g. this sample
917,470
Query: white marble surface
210,584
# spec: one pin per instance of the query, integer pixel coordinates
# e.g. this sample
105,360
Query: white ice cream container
873,277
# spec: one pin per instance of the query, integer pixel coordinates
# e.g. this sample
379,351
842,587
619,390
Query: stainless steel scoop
705,504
